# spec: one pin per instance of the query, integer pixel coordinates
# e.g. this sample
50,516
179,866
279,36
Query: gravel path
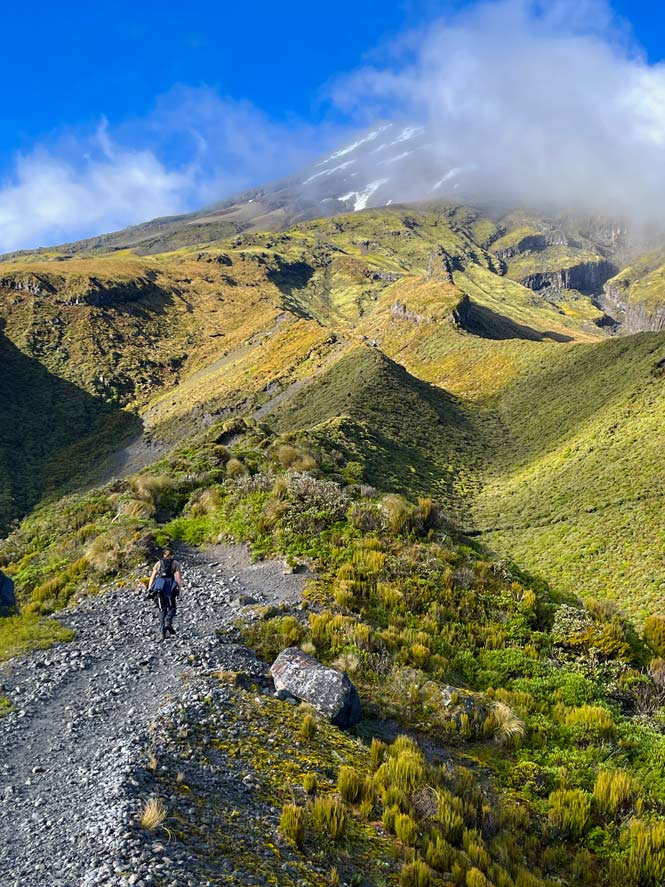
84,710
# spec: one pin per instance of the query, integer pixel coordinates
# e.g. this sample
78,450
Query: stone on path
329,691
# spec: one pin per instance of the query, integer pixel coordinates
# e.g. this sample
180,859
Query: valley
446,422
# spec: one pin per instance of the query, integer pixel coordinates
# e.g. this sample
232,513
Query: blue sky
112,112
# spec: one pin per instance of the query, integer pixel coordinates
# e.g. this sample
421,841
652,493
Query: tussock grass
292,824
328,816
152,815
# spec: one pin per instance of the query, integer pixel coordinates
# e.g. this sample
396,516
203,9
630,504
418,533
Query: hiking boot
170,629
163,635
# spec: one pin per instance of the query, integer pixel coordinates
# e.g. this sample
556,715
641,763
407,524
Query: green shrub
310,783
438,852
475,878
329,816
449,817
592,721
5,706
377,753
614,791
292,824
308,727
569,811
416,874
654,634
349,784
646,853
406,829
406,772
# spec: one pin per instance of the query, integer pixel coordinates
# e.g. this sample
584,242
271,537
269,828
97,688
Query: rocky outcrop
399,311
329,691
632,317
529,243
441,265
587,278
459,711
7,596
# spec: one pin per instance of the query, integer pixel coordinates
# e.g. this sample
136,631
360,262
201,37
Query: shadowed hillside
51,431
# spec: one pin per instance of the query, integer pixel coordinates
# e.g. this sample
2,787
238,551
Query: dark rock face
328,690
530,243
632,318
587,278
7,597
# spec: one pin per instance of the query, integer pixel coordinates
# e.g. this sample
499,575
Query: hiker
165,585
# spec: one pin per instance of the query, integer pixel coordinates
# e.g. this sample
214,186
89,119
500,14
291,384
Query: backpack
166,570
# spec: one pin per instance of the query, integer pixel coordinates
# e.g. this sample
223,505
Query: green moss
20,634
5,706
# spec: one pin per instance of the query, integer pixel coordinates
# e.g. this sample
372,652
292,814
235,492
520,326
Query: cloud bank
545,103
193,149
530,102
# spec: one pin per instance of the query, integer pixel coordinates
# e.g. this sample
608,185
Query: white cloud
53,198
549,102
194,148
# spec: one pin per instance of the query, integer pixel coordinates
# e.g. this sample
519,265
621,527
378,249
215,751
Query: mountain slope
491,369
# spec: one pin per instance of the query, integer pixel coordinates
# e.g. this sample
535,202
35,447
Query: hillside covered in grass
451,351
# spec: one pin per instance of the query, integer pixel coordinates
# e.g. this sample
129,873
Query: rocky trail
85,712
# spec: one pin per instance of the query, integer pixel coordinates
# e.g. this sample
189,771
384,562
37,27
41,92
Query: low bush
654,634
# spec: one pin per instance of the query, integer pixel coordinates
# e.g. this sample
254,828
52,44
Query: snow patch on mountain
347,150
451,174
361,198
328,172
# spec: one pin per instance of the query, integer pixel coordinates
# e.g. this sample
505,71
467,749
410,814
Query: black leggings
166,601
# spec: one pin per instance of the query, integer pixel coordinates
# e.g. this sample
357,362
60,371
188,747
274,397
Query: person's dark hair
168,552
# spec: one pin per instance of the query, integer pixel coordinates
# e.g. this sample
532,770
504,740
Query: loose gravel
84,712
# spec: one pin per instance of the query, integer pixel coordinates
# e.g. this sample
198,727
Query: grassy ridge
412,437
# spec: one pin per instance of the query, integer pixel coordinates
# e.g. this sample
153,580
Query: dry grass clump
140,509
290,457
152,815
109,551
292,824
235,468
151,488
329,817
505,726
205,503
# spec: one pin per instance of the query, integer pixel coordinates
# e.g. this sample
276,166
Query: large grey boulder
329,691
8,604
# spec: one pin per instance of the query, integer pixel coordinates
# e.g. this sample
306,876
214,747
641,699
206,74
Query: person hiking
165,585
